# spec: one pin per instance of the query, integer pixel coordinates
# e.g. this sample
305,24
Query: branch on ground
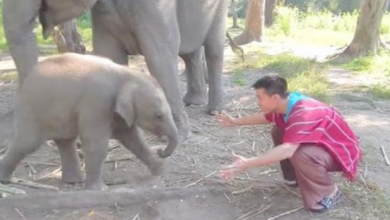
236,49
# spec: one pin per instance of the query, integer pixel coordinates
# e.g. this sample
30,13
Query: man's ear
125,103
275,97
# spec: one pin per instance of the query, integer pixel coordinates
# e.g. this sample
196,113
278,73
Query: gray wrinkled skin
160,30
72,95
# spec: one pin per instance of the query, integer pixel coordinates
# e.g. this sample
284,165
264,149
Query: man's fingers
227,174
237,157
229,167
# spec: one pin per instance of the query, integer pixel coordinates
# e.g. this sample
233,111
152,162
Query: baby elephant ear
125,105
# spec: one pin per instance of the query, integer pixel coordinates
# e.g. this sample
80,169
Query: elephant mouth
161,136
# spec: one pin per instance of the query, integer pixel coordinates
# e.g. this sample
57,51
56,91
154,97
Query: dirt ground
191,188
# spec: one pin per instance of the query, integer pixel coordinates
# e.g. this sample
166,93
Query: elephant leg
105,44
95,133
132,140
26,142
214,52
71,172
159,44
214,57
18,21
94,147
183,76
196,85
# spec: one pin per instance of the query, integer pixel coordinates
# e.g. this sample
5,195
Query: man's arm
255,119
281,152
275,155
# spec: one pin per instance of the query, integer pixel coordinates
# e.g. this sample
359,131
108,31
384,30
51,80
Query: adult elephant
160,30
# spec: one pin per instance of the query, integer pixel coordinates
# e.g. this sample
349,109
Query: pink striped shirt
311,121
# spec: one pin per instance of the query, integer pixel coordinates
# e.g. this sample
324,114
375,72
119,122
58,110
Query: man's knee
302,155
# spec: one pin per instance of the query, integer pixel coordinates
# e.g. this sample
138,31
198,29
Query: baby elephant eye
159,116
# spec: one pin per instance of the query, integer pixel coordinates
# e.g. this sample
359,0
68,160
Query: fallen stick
247,214
385,155
45,201
194,183
11,190
41,163
118,182
254,213
136,216
242,190
48,175
119,159
227,197
365,171
33,184
291,191
286,213
20,213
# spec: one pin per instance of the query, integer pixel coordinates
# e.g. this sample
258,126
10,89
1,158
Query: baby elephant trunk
172,143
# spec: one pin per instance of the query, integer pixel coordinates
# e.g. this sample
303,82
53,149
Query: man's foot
327,202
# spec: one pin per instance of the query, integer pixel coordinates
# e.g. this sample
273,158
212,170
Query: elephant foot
195,99
184,134
5,175
5,179
182,125
214,112
73,177
96,186
215,109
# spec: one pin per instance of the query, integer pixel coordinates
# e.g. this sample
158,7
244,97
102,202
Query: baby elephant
72,95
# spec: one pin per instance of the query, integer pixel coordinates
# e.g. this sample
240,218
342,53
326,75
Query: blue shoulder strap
293,98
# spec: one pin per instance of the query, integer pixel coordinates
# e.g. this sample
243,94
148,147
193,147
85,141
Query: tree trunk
366,38
234,14
254,23
269,12
270,6
68,39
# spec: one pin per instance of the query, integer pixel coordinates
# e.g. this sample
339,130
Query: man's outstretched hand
226,120
239,165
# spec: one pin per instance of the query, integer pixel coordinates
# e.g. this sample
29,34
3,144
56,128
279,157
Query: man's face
267,103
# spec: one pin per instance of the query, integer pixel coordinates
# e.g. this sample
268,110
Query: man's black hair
272,84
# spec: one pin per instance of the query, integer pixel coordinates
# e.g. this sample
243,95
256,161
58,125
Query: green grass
373,68
9,76
3,42
380,91
370,65
369,199
302,74
360,64
239,77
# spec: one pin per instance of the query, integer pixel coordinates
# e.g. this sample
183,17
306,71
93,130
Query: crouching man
310,138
